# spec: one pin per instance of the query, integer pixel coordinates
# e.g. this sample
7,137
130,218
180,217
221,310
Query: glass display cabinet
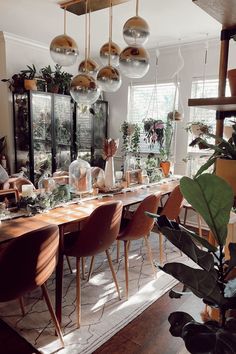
43,133
91,130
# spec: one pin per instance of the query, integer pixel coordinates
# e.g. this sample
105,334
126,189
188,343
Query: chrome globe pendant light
134,59
91,65
136,30
108,77
83,88
63,49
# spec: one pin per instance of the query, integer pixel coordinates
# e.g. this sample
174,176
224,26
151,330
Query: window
150,101
201,88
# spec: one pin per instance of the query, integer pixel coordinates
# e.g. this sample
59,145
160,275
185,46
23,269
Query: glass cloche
80,179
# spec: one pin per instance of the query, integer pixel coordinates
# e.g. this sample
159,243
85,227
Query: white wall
19,52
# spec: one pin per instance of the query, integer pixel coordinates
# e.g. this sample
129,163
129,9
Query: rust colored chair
97,235
139,226
171,210
26,263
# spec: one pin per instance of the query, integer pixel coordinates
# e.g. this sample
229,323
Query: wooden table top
77,212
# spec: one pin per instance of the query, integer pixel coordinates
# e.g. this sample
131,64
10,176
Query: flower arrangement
154,131
110,148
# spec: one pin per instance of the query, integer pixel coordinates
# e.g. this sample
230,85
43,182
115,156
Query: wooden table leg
59,275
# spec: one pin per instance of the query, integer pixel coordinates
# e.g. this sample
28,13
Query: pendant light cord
86,34
110,32
64,20
89,29
137,7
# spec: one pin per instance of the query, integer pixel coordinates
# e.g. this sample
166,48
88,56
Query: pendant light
83,88
91,65
134,59
63,49
108,77
136,30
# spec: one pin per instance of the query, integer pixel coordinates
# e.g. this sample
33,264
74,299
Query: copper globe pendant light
84,89
63,49
91,65
134,59
108,77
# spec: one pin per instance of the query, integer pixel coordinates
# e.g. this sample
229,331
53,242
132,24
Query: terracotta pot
228,130
227,170
232,81
30,84
165,165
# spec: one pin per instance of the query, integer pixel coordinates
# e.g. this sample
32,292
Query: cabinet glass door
62,150
41,125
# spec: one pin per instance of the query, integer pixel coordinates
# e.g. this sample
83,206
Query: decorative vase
109,173
165,165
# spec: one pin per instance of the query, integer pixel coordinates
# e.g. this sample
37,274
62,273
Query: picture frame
133,177
10,197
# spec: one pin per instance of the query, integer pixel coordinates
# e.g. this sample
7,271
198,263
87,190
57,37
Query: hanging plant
154,131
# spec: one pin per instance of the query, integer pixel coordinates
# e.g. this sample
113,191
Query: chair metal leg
160,247
83,267
22,307
52,313
126,250
69,265
150,255
90,268
117,250
78,292
113,273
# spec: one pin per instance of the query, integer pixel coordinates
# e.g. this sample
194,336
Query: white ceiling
170,21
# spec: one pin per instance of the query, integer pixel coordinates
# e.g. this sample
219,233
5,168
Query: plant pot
226,169
232,81
30,84
228,130
53,88
165,165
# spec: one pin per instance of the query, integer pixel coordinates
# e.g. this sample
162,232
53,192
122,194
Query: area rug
103,314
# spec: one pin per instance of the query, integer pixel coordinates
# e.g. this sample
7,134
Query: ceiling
170,21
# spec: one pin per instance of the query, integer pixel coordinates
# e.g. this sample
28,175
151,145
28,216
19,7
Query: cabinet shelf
224,11
222,104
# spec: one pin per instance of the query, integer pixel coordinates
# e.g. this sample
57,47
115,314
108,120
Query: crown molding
7,36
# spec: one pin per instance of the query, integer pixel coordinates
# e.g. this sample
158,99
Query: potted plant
154,131
16,83
198,128
165,151
213,280
224,157
29,77
57,81
130,142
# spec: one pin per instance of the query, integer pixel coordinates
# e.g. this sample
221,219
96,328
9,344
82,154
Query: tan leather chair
26,263
171,210
98,233
139,226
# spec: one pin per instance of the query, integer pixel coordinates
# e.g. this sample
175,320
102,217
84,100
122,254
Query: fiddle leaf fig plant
211,278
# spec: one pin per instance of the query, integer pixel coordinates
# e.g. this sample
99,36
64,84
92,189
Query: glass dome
47,183
80,179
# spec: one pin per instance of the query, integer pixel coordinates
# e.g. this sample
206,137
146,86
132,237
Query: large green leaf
201,240
212,198
183,241
202,283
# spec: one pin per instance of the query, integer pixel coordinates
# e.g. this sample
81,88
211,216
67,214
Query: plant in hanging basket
198,128
154,131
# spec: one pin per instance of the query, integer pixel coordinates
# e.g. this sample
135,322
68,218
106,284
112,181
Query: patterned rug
103,314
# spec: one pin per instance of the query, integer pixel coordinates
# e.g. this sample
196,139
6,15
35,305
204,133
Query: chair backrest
27,262
140,225
173,204
99,231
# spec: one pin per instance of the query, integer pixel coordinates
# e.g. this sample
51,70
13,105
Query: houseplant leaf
202,283
183,241
212,198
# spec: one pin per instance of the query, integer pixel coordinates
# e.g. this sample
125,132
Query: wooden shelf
224,11
77,7
222,104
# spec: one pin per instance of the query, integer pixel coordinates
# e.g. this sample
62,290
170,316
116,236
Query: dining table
68,217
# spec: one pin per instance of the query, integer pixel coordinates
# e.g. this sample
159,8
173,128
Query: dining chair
138,227
171,210
97,235
27,262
